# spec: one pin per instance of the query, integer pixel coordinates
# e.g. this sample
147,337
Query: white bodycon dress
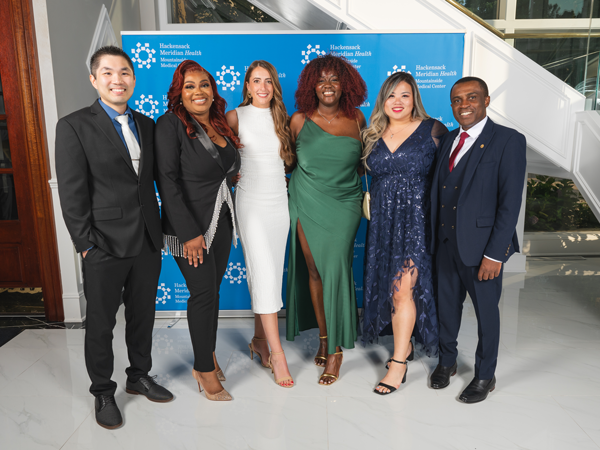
261,206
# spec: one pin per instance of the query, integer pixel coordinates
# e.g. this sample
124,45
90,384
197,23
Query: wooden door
28,250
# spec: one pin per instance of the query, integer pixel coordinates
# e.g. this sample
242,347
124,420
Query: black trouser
204,283
104,277
454,281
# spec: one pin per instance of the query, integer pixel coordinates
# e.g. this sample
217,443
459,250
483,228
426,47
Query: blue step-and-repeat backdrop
434,59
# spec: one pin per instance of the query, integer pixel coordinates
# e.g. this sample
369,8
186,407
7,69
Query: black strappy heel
412,352
387,386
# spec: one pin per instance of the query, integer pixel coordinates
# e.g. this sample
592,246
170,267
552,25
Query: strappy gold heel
280,380
330,375
253,350
221,396
320,357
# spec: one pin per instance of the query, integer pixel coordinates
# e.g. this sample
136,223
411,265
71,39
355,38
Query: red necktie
463,137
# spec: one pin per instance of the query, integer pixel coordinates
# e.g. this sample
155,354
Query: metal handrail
505,36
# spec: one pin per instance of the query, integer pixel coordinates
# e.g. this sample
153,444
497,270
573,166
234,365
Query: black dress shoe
477,390
440,378
107,412
148,387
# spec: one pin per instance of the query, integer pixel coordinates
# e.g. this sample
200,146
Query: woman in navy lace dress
400,148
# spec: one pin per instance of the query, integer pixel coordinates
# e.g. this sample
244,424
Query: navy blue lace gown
400,231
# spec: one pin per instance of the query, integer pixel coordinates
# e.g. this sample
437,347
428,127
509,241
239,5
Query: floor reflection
547,394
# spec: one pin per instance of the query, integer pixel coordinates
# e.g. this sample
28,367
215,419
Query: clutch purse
366,204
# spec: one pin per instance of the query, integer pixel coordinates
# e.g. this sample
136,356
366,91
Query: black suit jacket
490,195
189,174
103,201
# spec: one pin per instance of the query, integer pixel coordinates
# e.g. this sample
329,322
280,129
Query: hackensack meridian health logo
162,294
228,73
397,69
143,50
147,106
310,49
235,273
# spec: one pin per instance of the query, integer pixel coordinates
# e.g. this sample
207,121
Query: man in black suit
104,164
476,197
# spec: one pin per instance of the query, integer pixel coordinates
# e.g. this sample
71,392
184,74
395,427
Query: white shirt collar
476,129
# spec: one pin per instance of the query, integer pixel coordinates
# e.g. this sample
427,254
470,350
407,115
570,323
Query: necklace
396,132
324,118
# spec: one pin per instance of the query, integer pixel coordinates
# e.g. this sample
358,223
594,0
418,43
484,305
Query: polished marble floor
547,395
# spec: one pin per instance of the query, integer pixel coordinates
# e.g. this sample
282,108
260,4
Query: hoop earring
249,95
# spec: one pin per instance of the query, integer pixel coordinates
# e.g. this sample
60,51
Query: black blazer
490,195
103,201
189,174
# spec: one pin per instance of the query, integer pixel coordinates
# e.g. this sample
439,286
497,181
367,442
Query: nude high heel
253,350
280,380
221,396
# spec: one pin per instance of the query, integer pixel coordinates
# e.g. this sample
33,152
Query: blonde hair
379,119
281,119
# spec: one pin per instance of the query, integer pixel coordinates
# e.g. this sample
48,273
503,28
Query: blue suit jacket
490,195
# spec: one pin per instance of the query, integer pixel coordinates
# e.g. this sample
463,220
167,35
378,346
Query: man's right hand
83,253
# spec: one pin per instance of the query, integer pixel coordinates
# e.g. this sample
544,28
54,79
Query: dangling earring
249,95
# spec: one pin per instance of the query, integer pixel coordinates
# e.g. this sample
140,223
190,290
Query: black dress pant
454,280
104,278
204,283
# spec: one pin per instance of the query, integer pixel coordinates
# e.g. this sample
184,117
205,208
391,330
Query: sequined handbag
366,204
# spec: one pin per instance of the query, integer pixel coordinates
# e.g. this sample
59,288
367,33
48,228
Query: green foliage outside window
553,204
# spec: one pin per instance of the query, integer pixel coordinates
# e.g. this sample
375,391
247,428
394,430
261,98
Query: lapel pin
481,146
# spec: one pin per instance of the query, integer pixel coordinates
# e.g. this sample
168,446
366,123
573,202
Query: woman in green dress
325,208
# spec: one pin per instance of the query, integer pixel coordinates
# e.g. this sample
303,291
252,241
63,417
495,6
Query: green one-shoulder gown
325,195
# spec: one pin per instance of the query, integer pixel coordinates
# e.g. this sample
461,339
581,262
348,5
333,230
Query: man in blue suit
475,202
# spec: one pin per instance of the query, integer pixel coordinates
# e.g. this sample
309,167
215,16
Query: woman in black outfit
196,159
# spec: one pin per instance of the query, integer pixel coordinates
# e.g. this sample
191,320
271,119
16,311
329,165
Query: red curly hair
217,109
354,88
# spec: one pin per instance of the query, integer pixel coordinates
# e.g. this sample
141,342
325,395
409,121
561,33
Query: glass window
216,11
556,9
565,58
8,200
486,9
555,204
5,158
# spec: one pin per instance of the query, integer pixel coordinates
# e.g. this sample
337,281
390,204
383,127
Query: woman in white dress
261,205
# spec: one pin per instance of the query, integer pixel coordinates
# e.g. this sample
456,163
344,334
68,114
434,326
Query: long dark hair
217,108
281,119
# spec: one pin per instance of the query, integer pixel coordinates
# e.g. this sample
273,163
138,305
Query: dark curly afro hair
354,88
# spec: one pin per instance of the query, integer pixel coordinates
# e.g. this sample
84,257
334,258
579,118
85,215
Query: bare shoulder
232,120
297,122
362,121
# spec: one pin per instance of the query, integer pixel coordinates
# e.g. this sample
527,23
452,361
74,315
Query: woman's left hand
236,178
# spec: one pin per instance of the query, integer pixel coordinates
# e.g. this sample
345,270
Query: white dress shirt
474,133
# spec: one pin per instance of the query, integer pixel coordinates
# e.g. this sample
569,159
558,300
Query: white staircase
562,138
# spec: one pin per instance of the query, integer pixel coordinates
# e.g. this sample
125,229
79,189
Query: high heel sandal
320,357
412,353
253,350
280,380
330,375
220,374
387,386
221,396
